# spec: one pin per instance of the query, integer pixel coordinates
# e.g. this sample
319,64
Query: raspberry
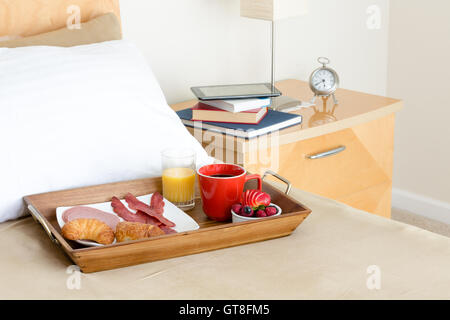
236,208
271,211
261,214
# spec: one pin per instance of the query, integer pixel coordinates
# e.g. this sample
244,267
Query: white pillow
71,117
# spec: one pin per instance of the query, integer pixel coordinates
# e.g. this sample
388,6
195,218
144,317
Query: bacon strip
137,205
151,220
139,216
157,203
129,216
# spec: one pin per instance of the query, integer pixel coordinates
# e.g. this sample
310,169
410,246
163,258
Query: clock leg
313,100
335,99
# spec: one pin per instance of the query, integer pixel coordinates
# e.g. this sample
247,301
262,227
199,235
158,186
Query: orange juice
178,184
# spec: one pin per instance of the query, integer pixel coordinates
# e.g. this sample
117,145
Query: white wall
201,42
419,73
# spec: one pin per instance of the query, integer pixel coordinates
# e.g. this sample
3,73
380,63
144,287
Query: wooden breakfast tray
212,235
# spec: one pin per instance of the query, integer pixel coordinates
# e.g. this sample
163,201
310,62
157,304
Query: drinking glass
178,177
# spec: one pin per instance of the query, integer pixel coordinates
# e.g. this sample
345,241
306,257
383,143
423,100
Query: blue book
273,121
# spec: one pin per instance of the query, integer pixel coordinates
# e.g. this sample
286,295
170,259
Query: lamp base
287,104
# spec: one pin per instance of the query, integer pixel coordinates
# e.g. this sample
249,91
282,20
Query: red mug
221,186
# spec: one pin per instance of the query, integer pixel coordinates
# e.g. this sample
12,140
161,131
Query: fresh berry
256,198
261,214
247,211
271,211
236,208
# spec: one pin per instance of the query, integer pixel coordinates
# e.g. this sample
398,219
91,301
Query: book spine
234,122
255,123
220,105
238,107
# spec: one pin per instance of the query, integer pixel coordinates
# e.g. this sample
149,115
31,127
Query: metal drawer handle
276,175
38,218
327,153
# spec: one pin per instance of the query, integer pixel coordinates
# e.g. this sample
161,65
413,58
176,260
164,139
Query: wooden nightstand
359,132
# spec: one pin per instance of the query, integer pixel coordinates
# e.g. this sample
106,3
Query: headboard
29,17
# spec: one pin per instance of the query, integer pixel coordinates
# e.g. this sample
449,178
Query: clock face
324,81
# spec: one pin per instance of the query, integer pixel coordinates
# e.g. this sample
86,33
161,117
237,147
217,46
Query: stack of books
245,118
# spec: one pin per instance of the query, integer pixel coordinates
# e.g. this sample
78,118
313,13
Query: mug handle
255,176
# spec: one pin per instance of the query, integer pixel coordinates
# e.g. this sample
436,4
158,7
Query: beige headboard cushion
30,17
103,28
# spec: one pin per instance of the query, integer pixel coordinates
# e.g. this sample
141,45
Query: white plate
183,222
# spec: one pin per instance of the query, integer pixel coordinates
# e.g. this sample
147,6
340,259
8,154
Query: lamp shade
273,10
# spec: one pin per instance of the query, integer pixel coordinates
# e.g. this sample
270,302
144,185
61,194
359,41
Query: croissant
126,231
88,229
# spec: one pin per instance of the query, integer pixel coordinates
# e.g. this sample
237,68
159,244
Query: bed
337,253
327,257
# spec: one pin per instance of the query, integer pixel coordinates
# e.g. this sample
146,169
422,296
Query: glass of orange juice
178,177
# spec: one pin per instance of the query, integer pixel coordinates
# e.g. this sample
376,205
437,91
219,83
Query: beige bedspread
327,257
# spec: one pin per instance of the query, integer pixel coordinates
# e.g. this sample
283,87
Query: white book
239,105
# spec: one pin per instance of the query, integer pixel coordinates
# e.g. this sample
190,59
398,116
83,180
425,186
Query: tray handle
39,219
276,175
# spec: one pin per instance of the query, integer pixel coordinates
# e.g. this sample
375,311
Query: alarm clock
324,81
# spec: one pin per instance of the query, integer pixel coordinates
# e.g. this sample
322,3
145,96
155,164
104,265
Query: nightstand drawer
353,165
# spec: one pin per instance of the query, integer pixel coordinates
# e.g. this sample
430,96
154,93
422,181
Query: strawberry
247,197
256,198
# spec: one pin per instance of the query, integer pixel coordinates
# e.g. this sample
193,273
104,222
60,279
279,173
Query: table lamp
274,10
